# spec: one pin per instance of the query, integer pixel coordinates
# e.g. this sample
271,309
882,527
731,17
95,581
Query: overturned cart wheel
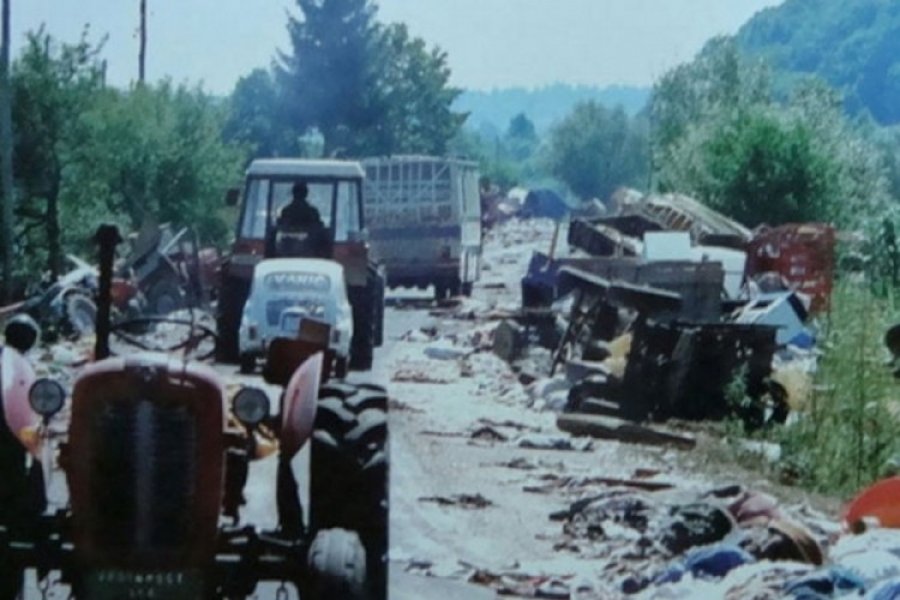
349,472
337,561
80,315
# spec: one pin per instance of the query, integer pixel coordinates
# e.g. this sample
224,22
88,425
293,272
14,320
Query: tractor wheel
440,289
362,345
11,582
232,296
337,561
247,363
378,307
165,297
80,316
455,287
341,367
349,471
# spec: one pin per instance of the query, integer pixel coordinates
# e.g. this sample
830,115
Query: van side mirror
232,196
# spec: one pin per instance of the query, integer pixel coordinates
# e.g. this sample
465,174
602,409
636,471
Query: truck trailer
424,221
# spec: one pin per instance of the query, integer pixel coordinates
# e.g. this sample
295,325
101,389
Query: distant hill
852,44
543,106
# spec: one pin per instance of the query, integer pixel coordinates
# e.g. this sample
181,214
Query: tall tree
410,103
253,111
595,150
52,85
327,78
367,88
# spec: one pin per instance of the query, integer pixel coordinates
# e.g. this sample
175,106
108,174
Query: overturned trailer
676,368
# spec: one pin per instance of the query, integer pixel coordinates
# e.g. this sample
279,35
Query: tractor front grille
143,476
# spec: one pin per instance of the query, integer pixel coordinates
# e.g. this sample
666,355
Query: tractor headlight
250,406
46,397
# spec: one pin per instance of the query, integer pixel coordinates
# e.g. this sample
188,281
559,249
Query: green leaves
855,46
719,134
86,154
366,88
595,150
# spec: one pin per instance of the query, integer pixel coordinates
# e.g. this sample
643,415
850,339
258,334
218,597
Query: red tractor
156,465
335,189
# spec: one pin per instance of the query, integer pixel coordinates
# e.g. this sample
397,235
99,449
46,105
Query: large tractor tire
232,295
349,472
337,561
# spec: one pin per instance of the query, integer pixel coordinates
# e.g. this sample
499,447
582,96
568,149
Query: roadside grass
847,436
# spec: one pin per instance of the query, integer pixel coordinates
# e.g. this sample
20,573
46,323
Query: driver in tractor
299,230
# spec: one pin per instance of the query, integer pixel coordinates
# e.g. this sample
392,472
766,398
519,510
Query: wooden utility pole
142,57
6,162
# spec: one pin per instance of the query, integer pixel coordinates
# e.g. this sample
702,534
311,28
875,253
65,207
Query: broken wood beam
611,428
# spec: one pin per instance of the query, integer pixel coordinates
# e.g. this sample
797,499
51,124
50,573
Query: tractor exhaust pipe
107,238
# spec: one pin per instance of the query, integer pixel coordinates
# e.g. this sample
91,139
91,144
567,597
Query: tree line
719,129
350,86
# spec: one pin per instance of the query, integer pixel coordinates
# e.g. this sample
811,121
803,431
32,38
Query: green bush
847,435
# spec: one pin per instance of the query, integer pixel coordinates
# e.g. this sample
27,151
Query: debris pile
706,309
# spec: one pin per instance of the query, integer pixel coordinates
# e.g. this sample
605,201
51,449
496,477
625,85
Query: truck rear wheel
349,471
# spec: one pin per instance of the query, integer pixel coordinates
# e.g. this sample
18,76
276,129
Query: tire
247,363
440,290
232,296
12,580
349,471
341,366
165,297
378,306
362,345
455,287
337,562
80,316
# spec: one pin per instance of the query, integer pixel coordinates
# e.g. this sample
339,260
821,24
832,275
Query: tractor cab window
320,196
265,199
348,221
256,204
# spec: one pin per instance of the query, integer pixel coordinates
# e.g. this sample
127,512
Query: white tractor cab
287,293
335,189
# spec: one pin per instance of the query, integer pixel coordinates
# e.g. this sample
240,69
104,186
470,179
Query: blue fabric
804,340
824,583
889,590
716,561
707,562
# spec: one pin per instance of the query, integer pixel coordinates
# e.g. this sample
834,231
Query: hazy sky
490,43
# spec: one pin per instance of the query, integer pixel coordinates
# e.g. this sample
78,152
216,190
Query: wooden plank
611,428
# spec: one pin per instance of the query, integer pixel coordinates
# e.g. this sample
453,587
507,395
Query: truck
424,221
